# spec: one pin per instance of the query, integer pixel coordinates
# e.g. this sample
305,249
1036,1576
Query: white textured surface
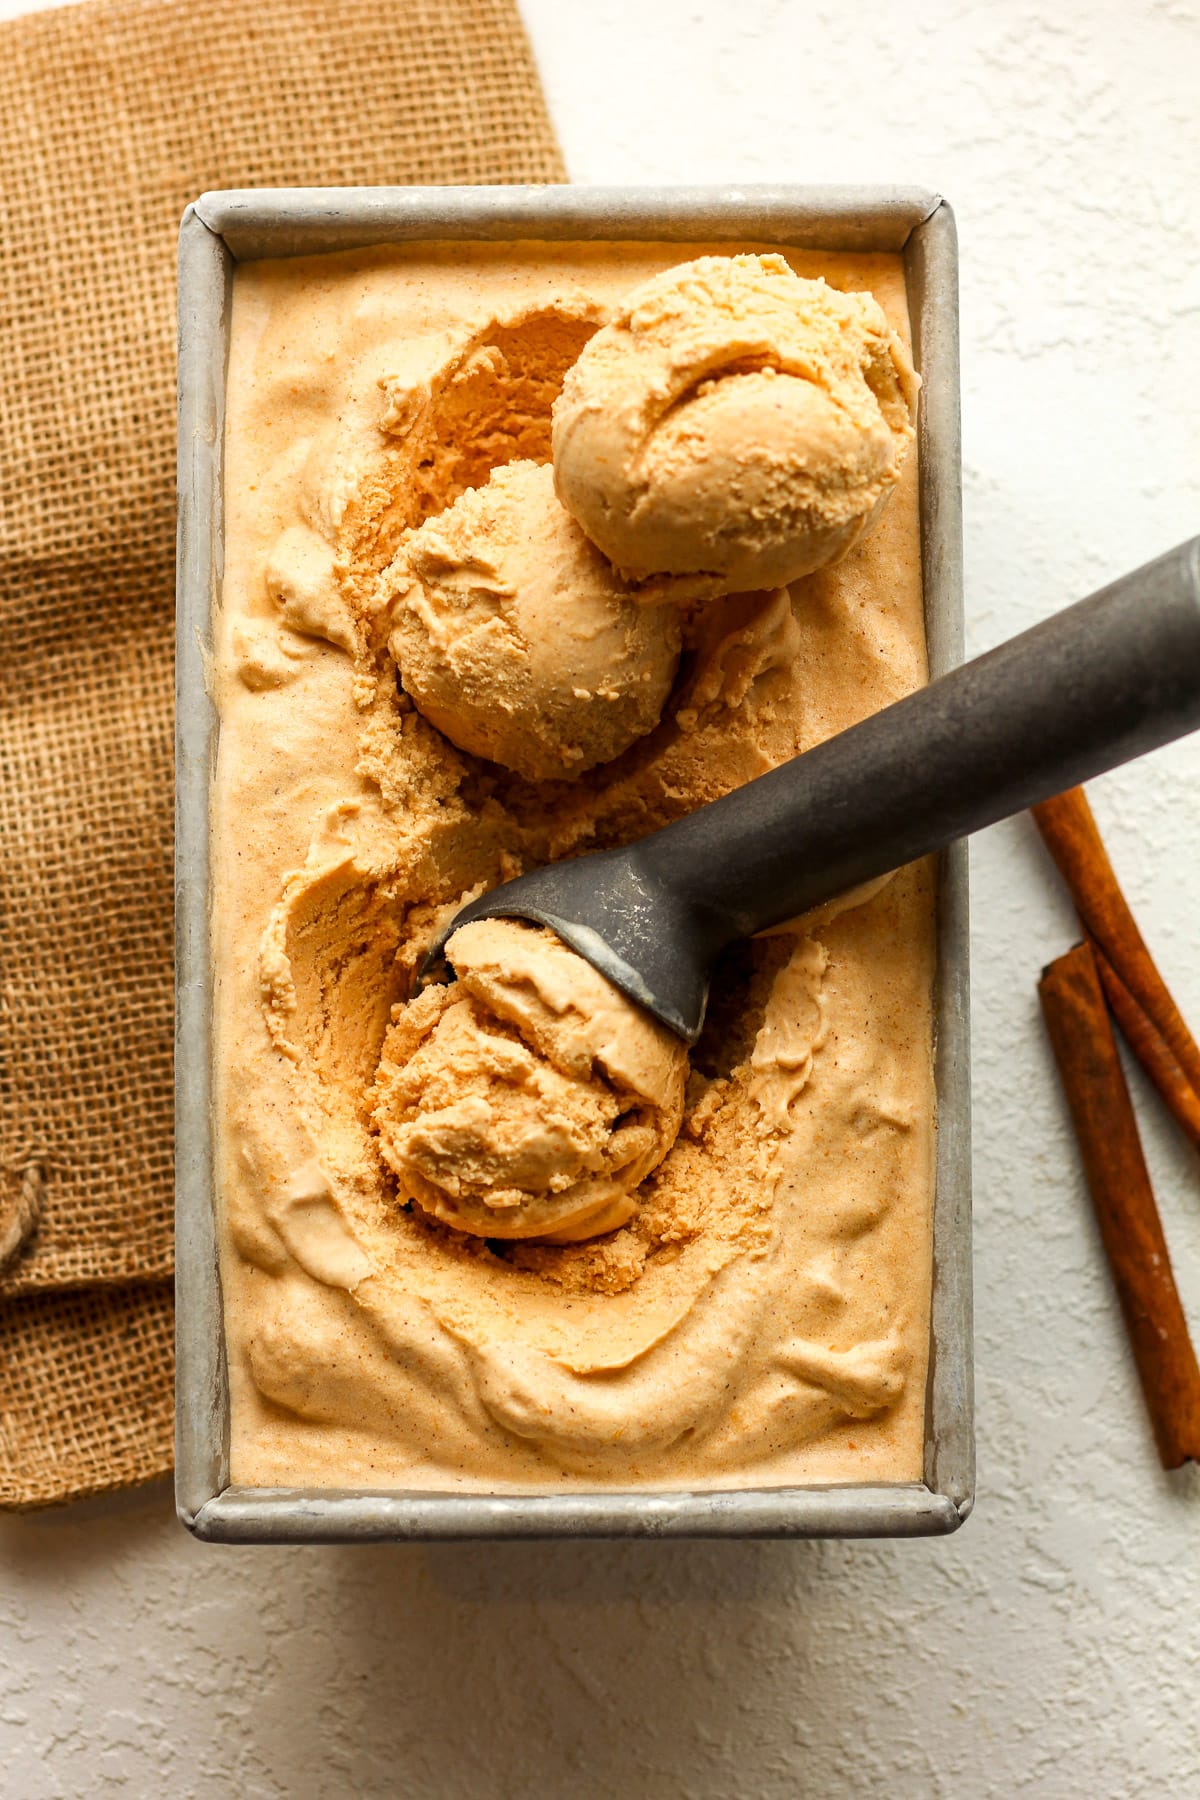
1053,1646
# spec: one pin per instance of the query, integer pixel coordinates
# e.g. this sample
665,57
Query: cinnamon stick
1086,1052
1069,830
1150,1048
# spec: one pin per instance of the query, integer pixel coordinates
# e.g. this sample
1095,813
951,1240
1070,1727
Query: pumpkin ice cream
505,1234
734,424
530,1098
517,639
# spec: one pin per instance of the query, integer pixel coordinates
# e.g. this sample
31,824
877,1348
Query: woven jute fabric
86,1375
112,117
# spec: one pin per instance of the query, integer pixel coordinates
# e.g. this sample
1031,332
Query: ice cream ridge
547,547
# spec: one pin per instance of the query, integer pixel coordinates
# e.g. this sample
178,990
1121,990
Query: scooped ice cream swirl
735,425
517,639
529,1098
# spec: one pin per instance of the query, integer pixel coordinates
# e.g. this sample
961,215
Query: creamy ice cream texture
517,639
735,424
530,1098
760,1312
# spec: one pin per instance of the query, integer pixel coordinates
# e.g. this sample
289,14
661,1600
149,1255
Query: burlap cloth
112,117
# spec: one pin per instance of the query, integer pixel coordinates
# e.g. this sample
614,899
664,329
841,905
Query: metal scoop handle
1096,685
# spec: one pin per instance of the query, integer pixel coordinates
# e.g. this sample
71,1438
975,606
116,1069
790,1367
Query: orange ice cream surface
506,1234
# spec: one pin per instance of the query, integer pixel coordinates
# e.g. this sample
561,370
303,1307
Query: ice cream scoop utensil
1096,685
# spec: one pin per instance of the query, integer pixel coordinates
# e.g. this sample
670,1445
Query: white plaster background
1053,1646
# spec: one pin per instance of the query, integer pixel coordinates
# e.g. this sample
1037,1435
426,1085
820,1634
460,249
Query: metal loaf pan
222,229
